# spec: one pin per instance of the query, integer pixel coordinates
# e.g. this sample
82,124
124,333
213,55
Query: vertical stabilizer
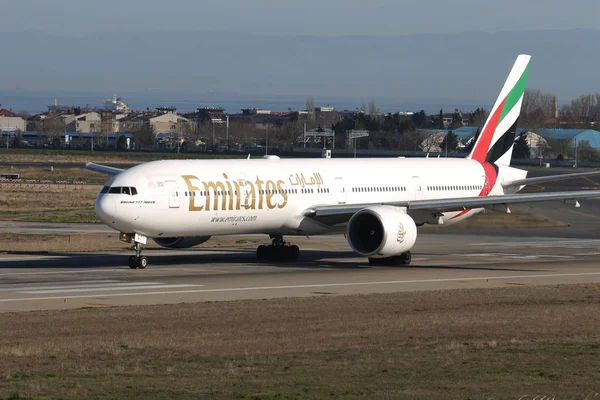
496,141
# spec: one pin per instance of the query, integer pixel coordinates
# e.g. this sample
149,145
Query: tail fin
496,141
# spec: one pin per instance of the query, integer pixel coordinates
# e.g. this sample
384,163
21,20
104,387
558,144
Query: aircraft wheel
405,258
376,261
142,262
132,262
294,252
262,253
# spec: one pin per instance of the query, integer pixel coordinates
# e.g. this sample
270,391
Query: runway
327,268
444,258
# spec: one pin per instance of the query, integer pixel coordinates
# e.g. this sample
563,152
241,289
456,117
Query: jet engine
381,231
181,242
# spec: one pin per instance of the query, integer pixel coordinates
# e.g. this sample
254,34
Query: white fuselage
222,197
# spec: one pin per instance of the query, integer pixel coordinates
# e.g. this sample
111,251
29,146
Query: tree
17,139
440,122
122,143
456,120
538,109
411,140
478,117
471,143
521,149
373,111
585,152
450,142
310,108
582,111
145,135
419,119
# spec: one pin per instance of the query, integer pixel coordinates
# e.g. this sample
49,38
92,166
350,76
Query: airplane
377,203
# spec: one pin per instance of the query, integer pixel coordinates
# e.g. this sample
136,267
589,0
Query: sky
299,17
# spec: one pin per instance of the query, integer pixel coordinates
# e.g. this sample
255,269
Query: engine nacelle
381,231
181,242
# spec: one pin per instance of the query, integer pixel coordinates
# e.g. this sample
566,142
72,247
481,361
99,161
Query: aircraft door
173,191
417,187
340,188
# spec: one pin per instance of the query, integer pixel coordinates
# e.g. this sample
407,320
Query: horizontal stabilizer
104,169
550,178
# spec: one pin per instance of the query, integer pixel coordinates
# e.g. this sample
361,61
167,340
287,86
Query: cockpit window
131,191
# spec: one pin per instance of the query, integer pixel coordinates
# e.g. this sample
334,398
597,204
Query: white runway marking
111,288
572,244
323,285
67,285
87,271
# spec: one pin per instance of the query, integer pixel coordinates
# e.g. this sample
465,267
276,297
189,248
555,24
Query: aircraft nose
105,209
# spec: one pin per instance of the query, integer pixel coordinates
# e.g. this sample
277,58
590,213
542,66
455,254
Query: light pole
575,152
227,132
446,140
267,139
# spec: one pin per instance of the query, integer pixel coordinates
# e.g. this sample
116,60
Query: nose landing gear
138,260
279,250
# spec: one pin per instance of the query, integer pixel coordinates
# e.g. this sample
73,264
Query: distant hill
465,66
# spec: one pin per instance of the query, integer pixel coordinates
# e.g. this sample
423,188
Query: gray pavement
327,267
445,258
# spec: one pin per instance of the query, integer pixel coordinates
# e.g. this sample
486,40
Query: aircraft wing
342,213
550,178
105,169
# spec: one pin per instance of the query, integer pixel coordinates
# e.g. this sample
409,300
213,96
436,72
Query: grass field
48,205
55,174
82,156
500,343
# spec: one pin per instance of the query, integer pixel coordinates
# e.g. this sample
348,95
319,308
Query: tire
295,253
376,261
142,262
405,258
132,262
262,253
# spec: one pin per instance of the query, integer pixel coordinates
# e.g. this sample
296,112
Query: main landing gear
279,250
402,259
138,261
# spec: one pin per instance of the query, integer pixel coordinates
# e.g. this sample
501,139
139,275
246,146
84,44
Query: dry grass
83,156
48,205
58,174
516,220
484,343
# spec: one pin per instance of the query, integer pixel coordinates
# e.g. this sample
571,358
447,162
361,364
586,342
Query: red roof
7,113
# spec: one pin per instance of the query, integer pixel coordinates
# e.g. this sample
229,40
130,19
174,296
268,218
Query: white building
168,123
88,122
9,121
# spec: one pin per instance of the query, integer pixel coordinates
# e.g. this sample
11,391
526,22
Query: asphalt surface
442,259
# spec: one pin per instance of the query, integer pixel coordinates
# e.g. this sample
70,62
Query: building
87,122
170,122
9,121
